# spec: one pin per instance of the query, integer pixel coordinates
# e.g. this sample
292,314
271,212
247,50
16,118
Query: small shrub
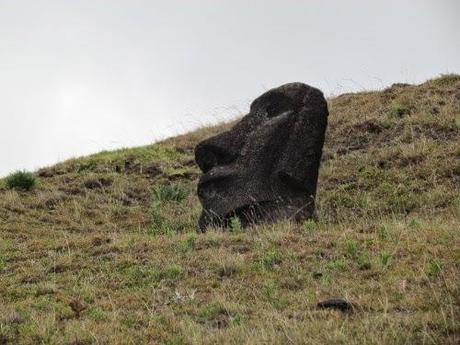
168,193
21,180
235,224
399,111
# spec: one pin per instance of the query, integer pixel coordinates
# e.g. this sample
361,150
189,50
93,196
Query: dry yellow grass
104,249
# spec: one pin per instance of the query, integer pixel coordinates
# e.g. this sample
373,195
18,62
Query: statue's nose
215,151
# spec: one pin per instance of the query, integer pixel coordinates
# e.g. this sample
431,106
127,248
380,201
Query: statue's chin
266,211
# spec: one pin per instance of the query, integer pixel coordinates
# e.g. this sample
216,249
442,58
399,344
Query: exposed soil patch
99,182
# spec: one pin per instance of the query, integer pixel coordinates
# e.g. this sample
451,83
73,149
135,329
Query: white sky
80,76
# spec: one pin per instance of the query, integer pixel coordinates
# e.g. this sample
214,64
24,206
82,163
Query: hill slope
104,250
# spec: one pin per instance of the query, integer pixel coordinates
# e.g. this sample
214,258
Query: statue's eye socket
209,156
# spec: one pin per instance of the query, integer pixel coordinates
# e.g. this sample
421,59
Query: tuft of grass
385,258
382,232
167,207
189,244
268,261
351,248
400,110
173,272
310,226
435,268
235,224
364,262
21,180
169,192
338,265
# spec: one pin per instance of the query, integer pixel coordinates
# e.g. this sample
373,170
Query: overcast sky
80,76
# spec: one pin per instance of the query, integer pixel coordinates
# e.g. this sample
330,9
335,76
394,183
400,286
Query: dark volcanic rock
336,304
266,167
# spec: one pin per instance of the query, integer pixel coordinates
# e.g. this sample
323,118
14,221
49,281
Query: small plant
167,193
272,294
172,273
160,224
2,264
435,268
189,244
415,224
385,258
140,276
339,265
270,289
21,180
212,311
351,248
271,259
235,224
228,269
267,262
364,262
399,111
310,226
382,232
98,314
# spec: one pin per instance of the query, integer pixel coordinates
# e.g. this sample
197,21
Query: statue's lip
216,174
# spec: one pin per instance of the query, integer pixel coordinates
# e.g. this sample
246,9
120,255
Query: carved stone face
266,167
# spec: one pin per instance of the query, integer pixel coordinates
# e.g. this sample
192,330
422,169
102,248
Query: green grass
104,249
20,180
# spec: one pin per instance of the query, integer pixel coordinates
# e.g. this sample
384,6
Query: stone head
265,167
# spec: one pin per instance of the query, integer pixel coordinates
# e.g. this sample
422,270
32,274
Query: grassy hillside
104,249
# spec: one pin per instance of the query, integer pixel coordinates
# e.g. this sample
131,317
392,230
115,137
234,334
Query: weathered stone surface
266,167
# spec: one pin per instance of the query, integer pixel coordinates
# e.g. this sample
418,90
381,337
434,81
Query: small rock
337,304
